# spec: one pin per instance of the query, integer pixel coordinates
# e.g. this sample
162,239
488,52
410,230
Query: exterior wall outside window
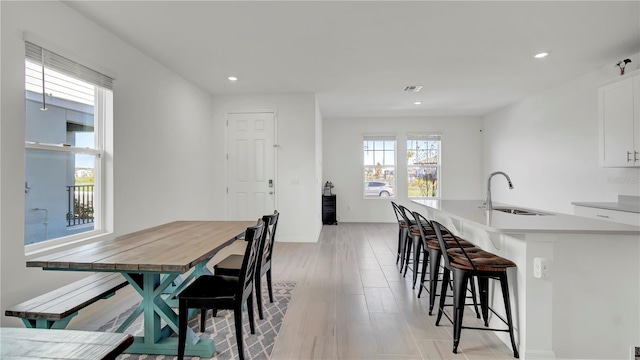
47,174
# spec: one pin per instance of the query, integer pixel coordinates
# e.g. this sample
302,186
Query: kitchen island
586,305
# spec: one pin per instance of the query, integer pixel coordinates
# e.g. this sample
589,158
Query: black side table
329,210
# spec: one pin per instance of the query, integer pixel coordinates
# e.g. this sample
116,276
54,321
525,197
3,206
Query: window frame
103,145
393,167
438,165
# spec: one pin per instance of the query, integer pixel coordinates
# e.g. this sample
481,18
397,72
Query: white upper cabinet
619,113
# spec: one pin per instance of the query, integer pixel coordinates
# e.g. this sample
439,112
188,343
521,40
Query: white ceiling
471,57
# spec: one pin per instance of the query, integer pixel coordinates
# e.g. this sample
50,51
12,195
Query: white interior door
250,165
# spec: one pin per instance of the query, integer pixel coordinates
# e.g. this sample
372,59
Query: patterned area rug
222,329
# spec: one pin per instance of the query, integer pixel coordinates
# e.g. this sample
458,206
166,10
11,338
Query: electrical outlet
540,268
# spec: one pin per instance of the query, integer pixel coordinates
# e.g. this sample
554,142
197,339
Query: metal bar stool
413,243
432,255
403,228
464,266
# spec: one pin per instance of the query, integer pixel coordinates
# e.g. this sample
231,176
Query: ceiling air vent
412,88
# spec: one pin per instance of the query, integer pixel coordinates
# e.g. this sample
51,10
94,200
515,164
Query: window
379,166
67,106
423,166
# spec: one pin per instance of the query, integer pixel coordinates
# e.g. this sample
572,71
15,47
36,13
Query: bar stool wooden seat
464,265
432,255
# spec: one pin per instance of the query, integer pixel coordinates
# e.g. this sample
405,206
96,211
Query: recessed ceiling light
540,55
417,102
232,78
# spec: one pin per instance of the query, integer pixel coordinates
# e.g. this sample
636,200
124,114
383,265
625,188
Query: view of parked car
378,188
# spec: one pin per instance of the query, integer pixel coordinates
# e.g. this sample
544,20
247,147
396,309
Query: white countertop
609,206
625,203
496,221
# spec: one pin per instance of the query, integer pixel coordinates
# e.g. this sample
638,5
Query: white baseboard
538,355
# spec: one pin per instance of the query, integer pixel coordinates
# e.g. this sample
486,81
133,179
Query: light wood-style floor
351,302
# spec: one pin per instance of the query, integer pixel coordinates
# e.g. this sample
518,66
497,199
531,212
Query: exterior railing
79,204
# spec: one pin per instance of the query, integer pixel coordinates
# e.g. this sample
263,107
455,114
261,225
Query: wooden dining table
28,343
158,262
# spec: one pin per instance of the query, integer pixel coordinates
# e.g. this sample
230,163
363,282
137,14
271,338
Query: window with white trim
67,106
379,166
423,165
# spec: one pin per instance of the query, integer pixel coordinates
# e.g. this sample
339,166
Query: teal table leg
198,270
154,308
171,288
178,284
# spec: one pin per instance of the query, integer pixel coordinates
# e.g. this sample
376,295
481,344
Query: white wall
162,131
461,161
319,164
297,180
548,144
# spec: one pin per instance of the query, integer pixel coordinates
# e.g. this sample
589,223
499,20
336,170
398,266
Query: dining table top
25,343
173,247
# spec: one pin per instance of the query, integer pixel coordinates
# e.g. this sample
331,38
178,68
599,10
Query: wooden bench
56,308
41,344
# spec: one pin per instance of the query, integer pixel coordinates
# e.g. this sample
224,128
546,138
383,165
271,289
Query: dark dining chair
231,264
224,292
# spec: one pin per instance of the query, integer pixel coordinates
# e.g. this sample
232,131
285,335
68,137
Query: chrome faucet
487,203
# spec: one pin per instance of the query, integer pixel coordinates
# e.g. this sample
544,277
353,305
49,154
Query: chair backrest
396,210
420,219
254,236
439,229
404,214
270,230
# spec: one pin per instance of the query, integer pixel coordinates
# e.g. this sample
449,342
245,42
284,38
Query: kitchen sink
516,211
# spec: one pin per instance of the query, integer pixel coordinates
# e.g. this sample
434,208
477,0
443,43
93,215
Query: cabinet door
617,113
